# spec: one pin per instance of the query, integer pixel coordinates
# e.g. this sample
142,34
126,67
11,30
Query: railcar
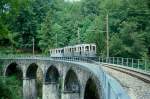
57,52
80,50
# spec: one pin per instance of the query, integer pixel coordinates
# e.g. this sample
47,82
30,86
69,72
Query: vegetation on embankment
54,23
10,88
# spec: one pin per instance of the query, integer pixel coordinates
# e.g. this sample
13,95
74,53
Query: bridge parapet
139,65
142,65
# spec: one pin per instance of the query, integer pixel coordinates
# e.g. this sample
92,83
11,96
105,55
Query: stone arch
52,75
71,83
51,87
31,71
14,69
34,81
91,90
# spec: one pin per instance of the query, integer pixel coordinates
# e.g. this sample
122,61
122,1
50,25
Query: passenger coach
84,50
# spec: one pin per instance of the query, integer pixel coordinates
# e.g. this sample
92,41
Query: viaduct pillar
29,89
51,91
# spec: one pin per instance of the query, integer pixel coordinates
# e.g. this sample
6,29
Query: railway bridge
64,79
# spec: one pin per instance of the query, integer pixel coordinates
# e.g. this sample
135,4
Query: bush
10,88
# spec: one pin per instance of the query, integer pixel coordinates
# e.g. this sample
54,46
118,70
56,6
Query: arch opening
91,91
71,82
14,77
14,70
52,85
34,72
52,75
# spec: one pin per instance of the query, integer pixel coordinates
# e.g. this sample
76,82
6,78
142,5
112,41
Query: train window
70,49
80,48
62,51
93,48
56,51
87,48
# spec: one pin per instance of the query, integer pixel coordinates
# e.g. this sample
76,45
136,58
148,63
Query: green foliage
45,34
10,88
91,8
116,45
54,23
128,27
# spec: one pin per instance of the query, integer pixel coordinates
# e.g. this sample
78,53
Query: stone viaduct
64,79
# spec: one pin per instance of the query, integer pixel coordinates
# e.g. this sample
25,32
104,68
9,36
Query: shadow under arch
71,83
14,69
52,75
14,75
91,90
52,85
34,74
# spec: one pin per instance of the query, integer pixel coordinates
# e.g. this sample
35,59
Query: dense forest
54,23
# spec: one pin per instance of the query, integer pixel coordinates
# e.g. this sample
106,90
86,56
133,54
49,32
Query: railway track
140,75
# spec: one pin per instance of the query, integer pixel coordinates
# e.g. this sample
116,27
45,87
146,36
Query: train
79,50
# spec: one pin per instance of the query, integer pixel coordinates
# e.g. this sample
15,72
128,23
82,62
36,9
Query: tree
46,35
56,22
8,10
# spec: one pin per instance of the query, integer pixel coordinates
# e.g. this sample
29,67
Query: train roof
77,45
84,44
80,45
